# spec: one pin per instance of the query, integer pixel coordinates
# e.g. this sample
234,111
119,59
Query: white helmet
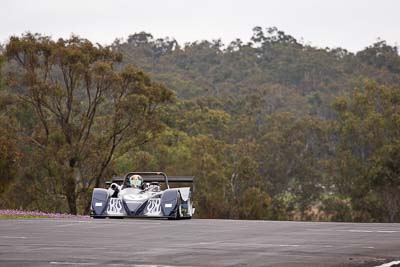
136,181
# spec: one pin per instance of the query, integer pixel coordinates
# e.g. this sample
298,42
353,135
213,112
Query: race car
143,194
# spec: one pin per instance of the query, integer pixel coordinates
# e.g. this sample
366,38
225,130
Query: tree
86,107
385,179
366,162
1,68
381,55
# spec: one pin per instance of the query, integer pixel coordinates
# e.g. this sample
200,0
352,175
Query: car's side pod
99,201
176,203
169,202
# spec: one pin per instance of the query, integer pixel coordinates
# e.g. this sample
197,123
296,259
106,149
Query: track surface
88,242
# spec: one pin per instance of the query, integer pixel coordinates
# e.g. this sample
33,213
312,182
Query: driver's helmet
136,181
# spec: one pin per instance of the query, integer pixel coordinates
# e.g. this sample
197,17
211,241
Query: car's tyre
98,217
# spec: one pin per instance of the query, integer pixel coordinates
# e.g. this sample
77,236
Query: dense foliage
271,128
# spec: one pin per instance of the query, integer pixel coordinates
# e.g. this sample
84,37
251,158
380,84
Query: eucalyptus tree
87,107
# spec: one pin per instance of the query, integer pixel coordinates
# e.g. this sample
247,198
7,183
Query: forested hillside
270,127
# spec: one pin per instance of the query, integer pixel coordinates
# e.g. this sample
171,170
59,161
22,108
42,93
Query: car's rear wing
171,179
150,177
116,179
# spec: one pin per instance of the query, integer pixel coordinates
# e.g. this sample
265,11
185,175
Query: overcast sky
351,24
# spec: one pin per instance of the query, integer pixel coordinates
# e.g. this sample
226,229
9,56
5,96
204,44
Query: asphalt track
145,243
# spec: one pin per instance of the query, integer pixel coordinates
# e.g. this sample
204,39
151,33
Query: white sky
351,24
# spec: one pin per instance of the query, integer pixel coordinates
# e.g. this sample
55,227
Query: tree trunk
87,200
71,194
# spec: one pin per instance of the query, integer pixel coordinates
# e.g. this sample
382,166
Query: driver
136,181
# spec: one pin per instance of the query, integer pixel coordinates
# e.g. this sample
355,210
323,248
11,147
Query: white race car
143,194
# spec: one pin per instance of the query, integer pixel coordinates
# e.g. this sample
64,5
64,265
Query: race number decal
154,206
115,206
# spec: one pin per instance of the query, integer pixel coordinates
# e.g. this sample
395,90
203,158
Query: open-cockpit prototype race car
143,194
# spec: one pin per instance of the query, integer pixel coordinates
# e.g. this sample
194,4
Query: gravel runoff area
37,214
